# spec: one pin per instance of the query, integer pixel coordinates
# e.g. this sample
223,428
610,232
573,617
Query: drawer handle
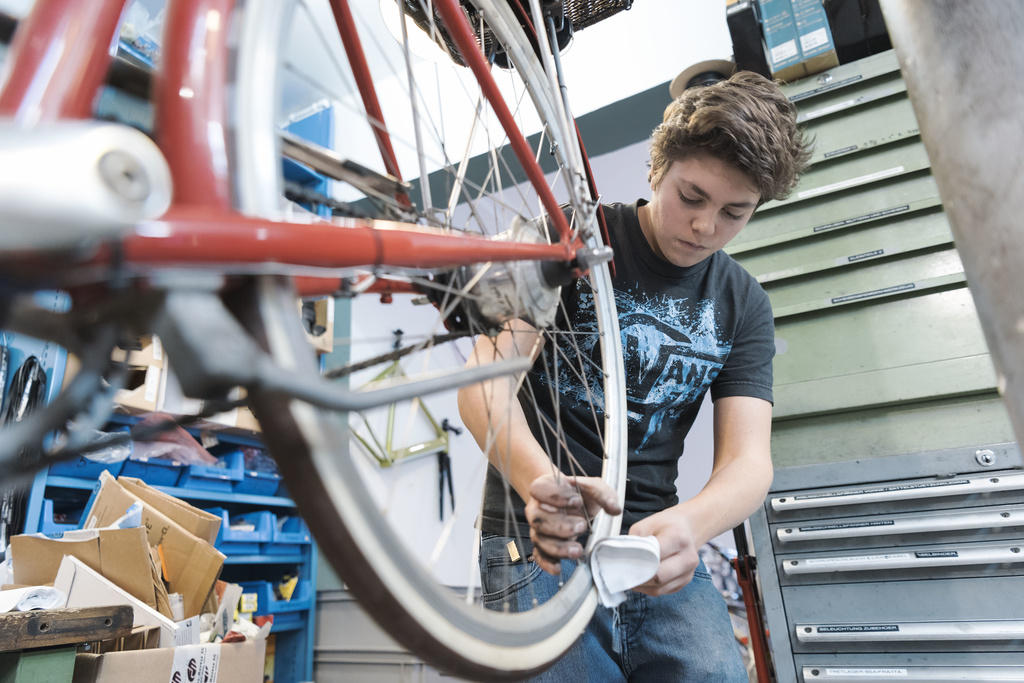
909,524
932,674
900,492
904,560
921,631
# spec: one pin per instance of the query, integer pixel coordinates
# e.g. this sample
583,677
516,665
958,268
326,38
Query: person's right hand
559,510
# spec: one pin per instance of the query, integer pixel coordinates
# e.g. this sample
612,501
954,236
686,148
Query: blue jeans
682,637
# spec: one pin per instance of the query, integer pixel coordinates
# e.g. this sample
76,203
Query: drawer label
841,150
858,628
875,673
884,489
861,219
847,525
873,293
825,561
867,254
825,88
936,553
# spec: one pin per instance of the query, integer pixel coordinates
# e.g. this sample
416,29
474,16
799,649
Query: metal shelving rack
294,639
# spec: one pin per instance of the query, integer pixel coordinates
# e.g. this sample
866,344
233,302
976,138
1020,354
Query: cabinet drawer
881,122
976,673
904,563
942,615
976,599
985,523
899,196
905,495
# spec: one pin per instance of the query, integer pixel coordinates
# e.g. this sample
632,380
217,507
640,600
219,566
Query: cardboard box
150,353
778,25
240,419
197,522
172,399
817,48
221,663
190,564
142,390
87,588
120,555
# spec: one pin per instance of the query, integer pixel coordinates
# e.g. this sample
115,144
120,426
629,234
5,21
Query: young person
692,320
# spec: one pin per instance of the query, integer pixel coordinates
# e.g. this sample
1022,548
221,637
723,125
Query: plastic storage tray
287,613
83,468
243,541
155,472
258,483
215,478
290,536
48,526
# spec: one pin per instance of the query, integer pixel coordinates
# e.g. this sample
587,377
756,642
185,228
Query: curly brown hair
745,121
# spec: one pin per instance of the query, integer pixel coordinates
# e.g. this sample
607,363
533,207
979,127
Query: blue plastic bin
214,478
258,483
155,472
287,613
51,528
83,468
290,536
243,542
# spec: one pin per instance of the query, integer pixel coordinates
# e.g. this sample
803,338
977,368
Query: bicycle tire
312,446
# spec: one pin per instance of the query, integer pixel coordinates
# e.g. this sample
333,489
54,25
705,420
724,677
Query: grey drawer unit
926,569
965,668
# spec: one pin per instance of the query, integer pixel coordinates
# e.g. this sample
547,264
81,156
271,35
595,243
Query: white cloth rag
620,563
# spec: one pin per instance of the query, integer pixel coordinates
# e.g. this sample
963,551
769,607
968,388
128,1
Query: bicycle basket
583,13
577,15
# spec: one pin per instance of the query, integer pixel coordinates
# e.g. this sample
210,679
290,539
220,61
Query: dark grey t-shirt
684,331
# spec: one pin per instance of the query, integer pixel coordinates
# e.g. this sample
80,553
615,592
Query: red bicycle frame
59,59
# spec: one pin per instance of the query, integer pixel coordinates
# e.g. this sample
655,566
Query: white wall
408,491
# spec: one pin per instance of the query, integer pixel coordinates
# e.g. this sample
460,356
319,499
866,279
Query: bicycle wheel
473,185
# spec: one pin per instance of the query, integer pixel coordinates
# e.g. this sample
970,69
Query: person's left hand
679,548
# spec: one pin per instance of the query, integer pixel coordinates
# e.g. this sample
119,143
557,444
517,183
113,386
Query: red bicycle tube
458,27
198,235
367,91
191,105
58,60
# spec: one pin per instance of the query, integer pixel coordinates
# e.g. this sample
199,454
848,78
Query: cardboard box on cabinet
120,555
190,564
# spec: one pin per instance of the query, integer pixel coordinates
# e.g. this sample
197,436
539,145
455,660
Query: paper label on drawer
195,664
884,673
859,628
825,561
861,219
846,525
883,489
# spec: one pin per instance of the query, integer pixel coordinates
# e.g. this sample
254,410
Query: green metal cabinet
875,326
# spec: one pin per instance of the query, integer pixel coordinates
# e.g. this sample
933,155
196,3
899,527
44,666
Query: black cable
26,393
